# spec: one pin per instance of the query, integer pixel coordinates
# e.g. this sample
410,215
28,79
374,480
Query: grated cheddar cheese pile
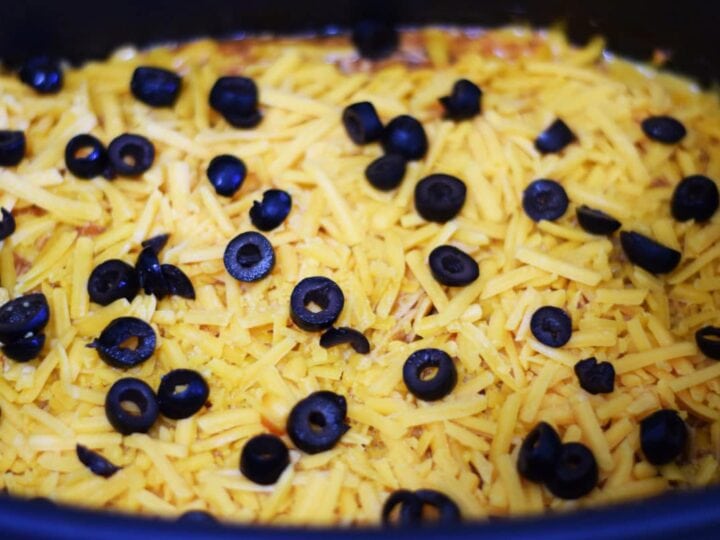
374,245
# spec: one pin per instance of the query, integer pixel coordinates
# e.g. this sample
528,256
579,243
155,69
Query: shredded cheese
376,247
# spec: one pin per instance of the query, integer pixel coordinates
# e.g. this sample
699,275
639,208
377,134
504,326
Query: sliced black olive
596,221
649,254
545,199
695,197
157,243
446,510
272,211
154,86
244,121
663,436
131,155
551,326
317,422
22,316
42,74
575,473
226,174
112,280
555,137
412,505
375,39
404,135
463,102
708,341
439,197
7,225
249,257
137,392
386,172
264,458
150,274
664,129
324,293
235,97
419,377
97,464
452,266
338,336
410,509
111,342
12,147
595,377
538,453
362,122
177,282
86,157
182,393
25,349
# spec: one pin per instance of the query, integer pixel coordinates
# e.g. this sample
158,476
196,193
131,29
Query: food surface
271,281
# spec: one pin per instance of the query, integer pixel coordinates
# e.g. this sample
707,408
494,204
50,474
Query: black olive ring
708,341
249,257
183,404
110,343
321,291
264,458
141,395
131,155
436,387
317,422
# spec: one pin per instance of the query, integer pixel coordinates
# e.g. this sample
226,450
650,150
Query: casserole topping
42,74
126,342
131,155
264,458
463,102
649,254
339,336
405,136
362,123
695,197
86,156
551,326
386,172
226,174
249,257
452,266
131,406
595,377
554,138
274,208
12,147
487,297
663,436
439,197
7,224
596,221
112,280
429,374
236,99
182,393
316,423
97,464
154,86
664,129
545,199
